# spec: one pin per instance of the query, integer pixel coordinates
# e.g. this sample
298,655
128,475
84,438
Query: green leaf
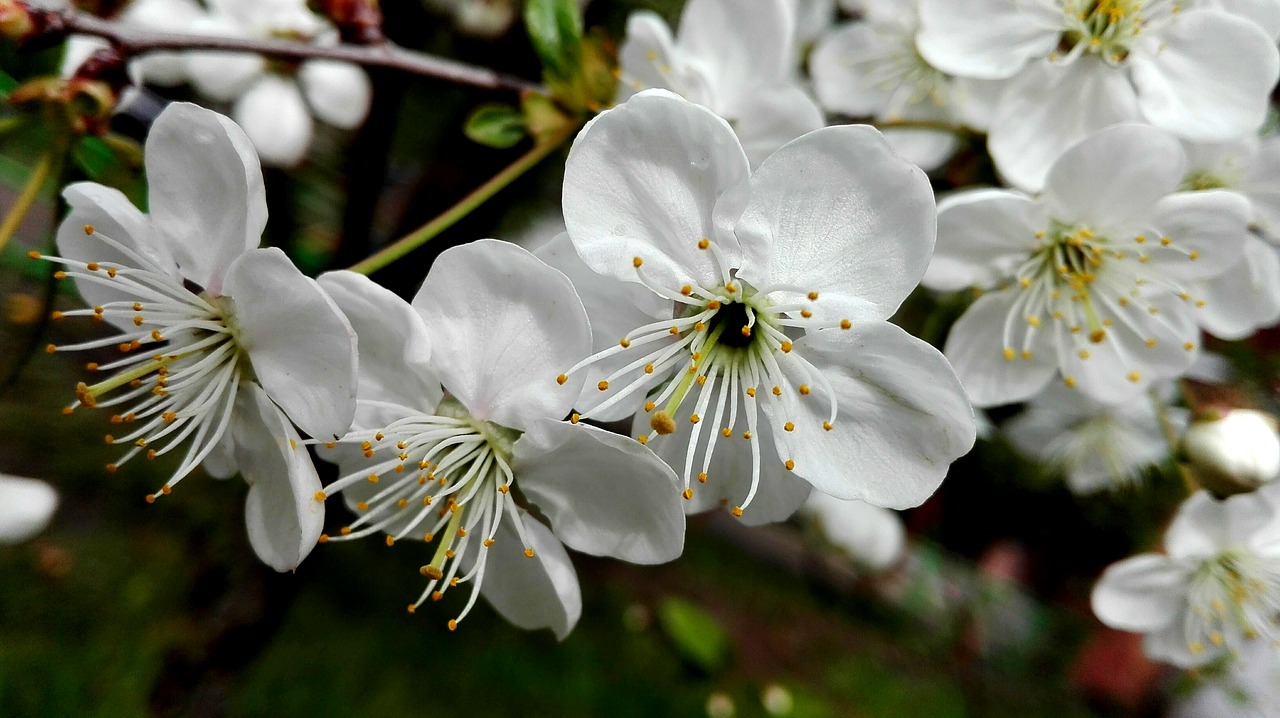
495,125
697,635
7,84
93,156
555,28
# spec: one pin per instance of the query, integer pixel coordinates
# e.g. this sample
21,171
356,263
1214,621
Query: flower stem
18,212
135,41
465,206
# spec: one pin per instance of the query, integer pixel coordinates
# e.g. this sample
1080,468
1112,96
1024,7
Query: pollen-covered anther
574,418
528,553
789,426
320,496
785,347
846,324
391,540
432,572
704,243
702,477
1134,377
694,418
687,494
636,262
737,511
603,386
562,379
827,425
791,465
323,538
663,423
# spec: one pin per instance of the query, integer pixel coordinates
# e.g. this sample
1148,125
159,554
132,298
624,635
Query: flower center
1233,597
445,475
185,387
1106,28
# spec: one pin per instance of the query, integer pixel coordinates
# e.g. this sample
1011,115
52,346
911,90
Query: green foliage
555,29
697,636
496,125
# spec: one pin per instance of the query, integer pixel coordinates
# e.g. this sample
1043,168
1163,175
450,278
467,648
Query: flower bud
1233,453
358,21
31,28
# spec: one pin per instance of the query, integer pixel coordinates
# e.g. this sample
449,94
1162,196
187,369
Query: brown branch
135,41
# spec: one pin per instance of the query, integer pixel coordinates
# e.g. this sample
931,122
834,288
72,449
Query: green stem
18,212
465,206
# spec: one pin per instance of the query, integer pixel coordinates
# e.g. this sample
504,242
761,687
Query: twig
954,129
135,41
18,211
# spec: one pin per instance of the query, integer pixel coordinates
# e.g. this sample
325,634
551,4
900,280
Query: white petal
1264,13
302,348
772,116
983,235
843,66
281,512
873,536
1112,179
987,39
741,43
903,417
1211,223
926,149
537,592
222,76
77,50
642,180
208,205
275,117
393,346
1170,645
1209,78
1142,593
605,494
506,325
26,506
837,212
648,57
1263,188
1205,526
338,92
976,348
1244,298
1049,107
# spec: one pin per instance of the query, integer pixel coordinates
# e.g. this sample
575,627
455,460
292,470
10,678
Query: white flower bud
1233,453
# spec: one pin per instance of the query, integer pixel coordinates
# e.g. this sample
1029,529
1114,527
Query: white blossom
1249,687
1240,448
873,537
26,506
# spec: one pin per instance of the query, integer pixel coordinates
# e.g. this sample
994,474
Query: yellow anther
1033,320
1189,346
603,386
92,266
649,406
751,391
846,324
345,530
432,572
642,439
826,425
686,290
806,313
785,346
648,368
1134,377
688,494
562,379
151,498
1151,343
703,243
321,496
1084,353
362,506
789,426
813,296
528,553
1165,241
777,391
789,464
804,390
746,435
694,418
714,304
662,423
624,343
702,477
324,538
575,418
1009,354
373,478
488,543
1193,255
33,254
391,540
636,262
746,331
1070,381
737,511
88,229
726,432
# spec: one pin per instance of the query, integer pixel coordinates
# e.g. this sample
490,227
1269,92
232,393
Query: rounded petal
1170,645
976,348
773,116
275,117
642,180
873,536
1049,107
1205,526
837,212
648,57
605,494
303,350
281,512
742,44
983,235
1207,76
207,202
392,342
339,93
1113,178
1244,298
221,76
1143,593
1209,228
902,417
506,326
531,592
843,66
987,39
26,506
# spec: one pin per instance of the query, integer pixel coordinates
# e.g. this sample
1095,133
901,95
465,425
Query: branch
955,129
135,41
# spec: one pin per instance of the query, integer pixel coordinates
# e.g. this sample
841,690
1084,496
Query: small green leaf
555,28
93,156
697,635
499,126
7,84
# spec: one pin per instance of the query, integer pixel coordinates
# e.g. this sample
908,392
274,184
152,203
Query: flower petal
1246,297
302,348
507,325
281,512
773,116
976,348
275,117
221,76
902,417
1205,526
642,180
1049,107
872,536
207,200
1142,593
647,56
987,39
1208,229
392,342
843,64
537,592
837,193
26,506
742,43
605,494
1207,76
339,93
983,235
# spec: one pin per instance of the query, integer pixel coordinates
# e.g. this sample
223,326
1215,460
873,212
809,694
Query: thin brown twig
135,41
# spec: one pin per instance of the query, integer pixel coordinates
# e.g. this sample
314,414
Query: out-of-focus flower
159,68
1248,688
1215,591
1095,446
1092,278
274,102
719,294
873,537
735,57
1077,66
1264,13
1234,452
222,343
481,469
26,505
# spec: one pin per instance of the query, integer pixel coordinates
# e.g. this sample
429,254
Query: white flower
1265,13
1093,277
461,440
1240,449
735,57
26,505
274,105
221,343
159,68
1218,587
870,535
1080,65
716,294
1249,688
1096,446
